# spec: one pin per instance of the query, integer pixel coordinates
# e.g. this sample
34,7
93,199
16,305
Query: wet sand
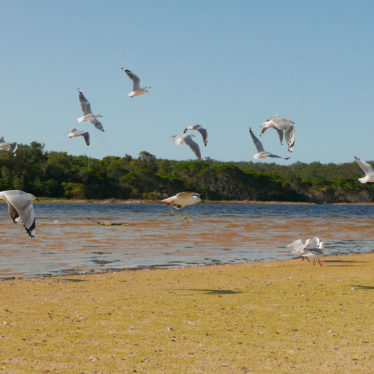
277,316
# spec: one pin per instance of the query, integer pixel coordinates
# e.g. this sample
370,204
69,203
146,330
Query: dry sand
280,317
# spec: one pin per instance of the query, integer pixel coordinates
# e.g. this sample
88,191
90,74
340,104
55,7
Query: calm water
80,238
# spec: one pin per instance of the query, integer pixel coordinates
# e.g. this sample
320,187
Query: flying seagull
182,199
367,169
20,208
8,145
187,138
88,116
283,127
200,129
136,90
74,132
260,149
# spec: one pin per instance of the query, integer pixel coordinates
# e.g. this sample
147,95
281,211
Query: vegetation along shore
60,175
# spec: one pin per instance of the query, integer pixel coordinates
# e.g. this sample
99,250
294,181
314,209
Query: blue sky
226,65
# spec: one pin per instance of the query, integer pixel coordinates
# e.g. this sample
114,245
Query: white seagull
88,116
200,129
136,90
74,132
8,145
20,208
182,199
314,250
283,127
260,149
367,169
187,138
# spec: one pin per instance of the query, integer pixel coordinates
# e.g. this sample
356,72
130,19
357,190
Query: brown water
79,238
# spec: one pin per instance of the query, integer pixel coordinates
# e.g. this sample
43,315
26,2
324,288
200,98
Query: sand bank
280,317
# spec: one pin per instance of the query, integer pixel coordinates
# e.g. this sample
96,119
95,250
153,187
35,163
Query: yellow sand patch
279,317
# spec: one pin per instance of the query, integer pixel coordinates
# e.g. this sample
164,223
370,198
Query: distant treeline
59,175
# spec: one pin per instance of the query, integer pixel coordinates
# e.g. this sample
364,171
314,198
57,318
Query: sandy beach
278,316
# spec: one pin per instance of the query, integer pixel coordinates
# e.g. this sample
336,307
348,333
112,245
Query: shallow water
80,238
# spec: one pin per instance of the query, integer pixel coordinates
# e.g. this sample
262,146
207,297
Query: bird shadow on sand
359,287
73,280
343,262
211,291
347,261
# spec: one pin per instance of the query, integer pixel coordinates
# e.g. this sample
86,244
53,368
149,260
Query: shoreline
260,317
145,201
97,271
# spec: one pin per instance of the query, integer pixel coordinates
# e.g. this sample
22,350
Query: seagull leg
307,259
319,262
187,216
302,258
314,262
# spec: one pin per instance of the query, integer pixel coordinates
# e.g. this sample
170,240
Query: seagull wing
280,134
298,245
13,212
256,142
204,134
179,138
289,134
312,243
14,147
86,136
366,168
184,194
316,251
135,79
273,156
24,208
86,107
194,146
97,123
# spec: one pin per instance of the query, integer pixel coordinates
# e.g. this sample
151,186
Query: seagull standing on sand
74,132
20,208
283,127
314,250
8,145
136,90
200,129
367,169
187,138
182,199
260,149
88,116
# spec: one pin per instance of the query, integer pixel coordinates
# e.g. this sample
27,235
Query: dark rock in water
112,224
